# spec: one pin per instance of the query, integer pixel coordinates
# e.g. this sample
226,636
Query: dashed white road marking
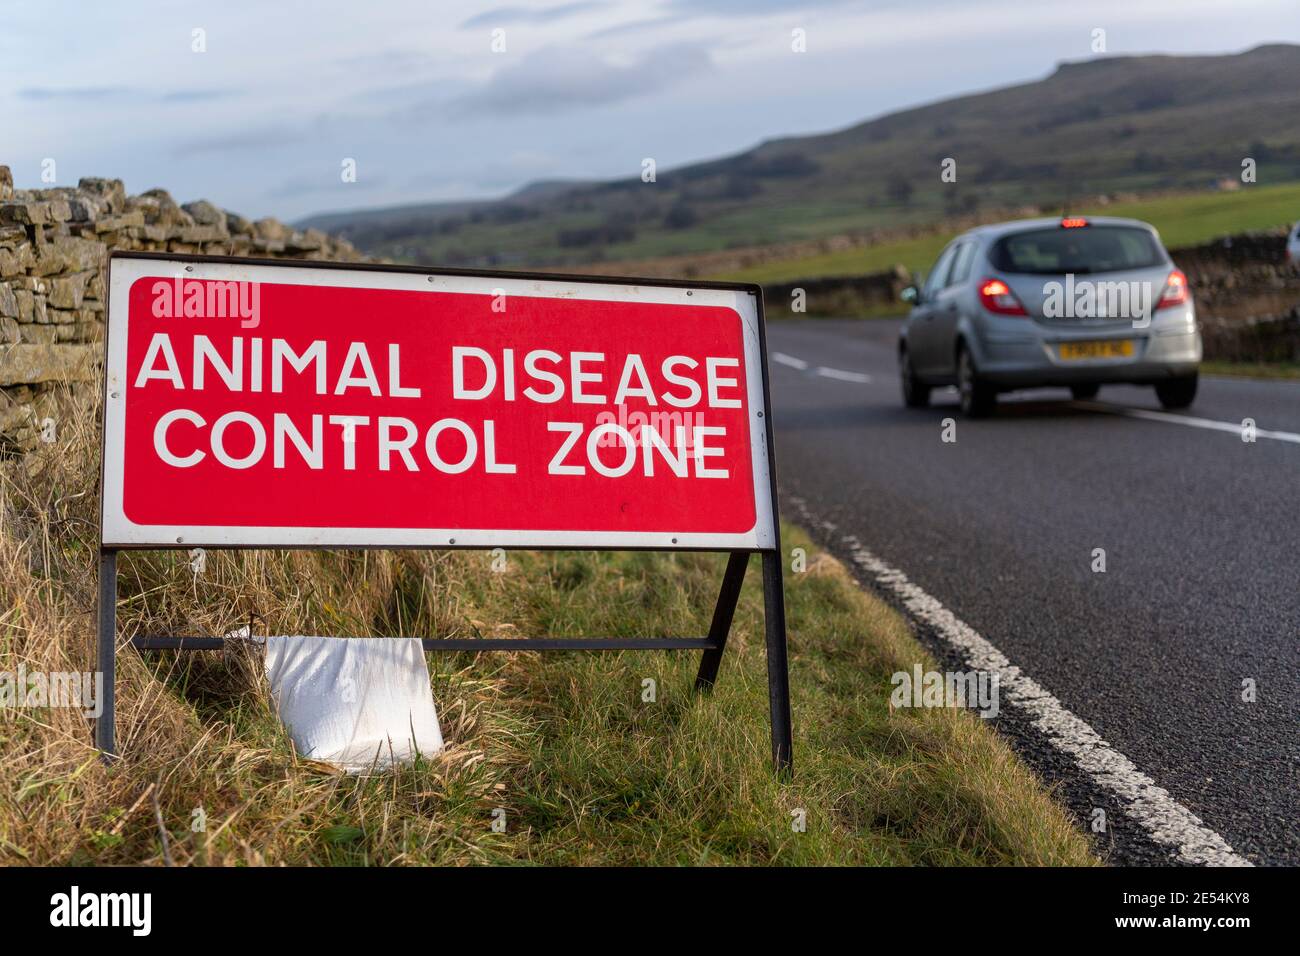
841,375
1189,420
790,360
1165,820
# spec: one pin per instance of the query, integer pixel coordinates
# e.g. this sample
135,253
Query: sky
266,107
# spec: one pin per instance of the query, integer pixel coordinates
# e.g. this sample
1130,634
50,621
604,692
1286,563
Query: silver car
1069,302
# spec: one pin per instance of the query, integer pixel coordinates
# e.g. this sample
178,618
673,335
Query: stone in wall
36,364
54,244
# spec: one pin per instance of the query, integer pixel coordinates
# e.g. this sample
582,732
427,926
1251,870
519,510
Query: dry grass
196,729
586,771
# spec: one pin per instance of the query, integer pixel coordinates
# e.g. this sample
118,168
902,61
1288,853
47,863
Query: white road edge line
1165,820
841,376
783,359
1189,420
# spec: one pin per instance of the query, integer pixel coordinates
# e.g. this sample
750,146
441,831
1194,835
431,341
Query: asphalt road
1201,532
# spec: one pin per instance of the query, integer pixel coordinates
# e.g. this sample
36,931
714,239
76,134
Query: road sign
358,407
253,403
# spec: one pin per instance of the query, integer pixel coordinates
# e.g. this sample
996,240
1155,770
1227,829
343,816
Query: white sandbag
355,702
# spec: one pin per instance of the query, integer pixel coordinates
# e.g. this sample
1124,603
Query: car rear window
1084,250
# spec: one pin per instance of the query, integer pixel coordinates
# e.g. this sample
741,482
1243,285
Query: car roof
997,230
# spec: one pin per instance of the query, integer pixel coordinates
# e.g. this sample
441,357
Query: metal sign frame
713,645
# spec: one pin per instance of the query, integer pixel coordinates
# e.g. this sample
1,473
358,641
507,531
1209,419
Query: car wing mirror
911,295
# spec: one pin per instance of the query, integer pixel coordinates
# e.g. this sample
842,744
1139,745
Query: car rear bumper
1029,361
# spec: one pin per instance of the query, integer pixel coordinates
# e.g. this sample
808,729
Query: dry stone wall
54,246
1247,296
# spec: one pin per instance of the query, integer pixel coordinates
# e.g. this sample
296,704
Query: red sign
253,404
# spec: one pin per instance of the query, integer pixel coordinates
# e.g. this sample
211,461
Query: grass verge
586,769
1266,370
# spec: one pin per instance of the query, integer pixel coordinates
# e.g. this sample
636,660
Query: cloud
46,94
634,26
759,7
255,139
500,15
41,93
313,185
195,96
387,62
555,80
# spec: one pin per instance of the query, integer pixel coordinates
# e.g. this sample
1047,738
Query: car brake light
997,297
1175,290
1074,223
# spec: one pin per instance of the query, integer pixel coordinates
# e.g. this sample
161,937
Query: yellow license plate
1108,348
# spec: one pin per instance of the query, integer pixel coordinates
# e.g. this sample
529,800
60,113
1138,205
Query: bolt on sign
273,404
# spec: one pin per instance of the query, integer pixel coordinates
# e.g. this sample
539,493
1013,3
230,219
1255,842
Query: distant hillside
418,216
1108,124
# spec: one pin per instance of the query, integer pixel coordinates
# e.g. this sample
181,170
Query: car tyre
978,397
1084,392
915,394
1177,392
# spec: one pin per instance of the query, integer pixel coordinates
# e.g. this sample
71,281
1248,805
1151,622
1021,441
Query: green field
1182,220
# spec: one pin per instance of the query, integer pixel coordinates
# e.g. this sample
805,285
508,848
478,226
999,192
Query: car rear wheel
915,394
978,397
1177,392
1083,392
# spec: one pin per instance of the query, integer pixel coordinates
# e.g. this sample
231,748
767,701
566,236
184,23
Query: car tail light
997,297
1175,290
1074,222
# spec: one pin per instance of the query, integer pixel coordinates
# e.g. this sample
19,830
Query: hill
1102,125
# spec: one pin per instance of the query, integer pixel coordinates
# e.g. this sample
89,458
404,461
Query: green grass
916,254
1267,370
611,778
1188,220
1182,220
585,768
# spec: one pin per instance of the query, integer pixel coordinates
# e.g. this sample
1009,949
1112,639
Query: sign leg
723,611
778,672
105,729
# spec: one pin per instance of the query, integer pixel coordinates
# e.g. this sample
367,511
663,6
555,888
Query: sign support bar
778,668
723,611
713,646
105,723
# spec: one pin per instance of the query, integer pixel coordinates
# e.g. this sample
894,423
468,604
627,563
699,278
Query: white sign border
118,531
